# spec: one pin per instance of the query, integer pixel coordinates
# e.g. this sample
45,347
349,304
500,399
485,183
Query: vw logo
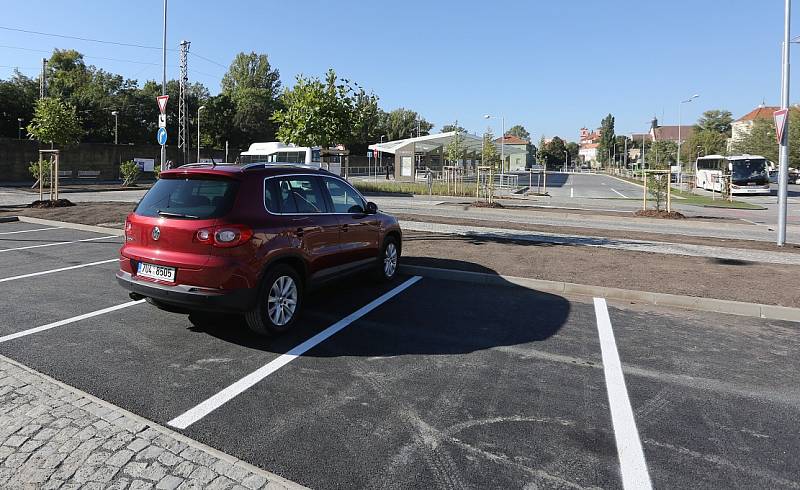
156,233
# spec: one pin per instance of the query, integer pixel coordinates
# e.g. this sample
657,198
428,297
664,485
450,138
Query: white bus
275,151
748,173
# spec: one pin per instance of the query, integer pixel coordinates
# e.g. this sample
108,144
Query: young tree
490,158
55,122
456,149
520,132
607,139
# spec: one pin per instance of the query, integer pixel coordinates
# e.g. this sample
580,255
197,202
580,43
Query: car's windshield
749,169
188,198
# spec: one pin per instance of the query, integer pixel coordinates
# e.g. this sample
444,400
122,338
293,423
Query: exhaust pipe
135,296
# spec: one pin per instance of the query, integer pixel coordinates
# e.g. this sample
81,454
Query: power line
209,60
84,55
64,36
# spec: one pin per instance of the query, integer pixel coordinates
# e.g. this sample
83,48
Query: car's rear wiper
167,214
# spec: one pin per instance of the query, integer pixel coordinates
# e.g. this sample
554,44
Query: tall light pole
116,126
783,153
19,133
164,80
198,130
502,144
679,127
380,155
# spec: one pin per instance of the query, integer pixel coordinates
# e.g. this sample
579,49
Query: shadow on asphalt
433,317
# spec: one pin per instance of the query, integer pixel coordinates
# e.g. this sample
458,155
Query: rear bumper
191,297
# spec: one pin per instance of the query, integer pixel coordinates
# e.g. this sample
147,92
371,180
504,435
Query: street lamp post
164,80
679,127
116,126
380,155
502,145
198,130
783,153
19,132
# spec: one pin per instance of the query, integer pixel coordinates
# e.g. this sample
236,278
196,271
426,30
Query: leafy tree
448,128
402,123
717,121
574,151
316,113
456,149
761,140
552,152
17,99
365,120
662,154
705,142
253,87
130,172
607,139
520,132
55,122
490,158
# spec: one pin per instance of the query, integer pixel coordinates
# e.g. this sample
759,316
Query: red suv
251,239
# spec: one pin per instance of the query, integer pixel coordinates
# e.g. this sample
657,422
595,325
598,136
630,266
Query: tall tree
662,154
449,128
718,121
761,140
402,123
552,152
520,132
17,99
703,142
607,140
253,85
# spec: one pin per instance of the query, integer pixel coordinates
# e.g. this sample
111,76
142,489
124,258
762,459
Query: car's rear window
189,198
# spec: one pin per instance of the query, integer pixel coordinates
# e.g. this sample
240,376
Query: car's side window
344,198
299,194
271,196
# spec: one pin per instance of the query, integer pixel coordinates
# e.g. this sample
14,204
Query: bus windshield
748,169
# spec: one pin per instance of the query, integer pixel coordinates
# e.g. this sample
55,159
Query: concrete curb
74,226
271,477
755,310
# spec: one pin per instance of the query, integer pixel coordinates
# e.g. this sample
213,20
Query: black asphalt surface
447,385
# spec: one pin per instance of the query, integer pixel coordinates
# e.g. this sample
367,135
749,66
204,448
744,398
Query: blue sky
552,66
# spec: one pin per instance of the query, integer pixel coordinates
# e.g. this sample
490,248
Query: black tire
266,320
383,271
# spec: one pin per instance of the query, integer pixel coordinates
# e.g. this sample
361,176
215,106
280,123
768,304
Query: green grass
394,187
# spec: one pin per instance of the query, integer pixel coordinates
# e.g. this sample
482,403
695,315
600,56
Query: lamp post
116,126
679,127
502,145
198,130
380,155
19,132
783,152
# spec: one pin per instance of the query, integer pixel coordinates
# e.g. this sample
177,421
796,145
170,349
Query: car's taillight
224,235
231,235
128,228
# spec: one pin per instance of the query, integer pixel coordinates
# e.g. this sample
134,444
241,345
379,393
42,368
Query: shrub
130,173
33,168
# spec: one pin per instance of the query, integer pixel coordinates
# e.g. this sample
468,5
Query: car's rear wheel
279,301
389,259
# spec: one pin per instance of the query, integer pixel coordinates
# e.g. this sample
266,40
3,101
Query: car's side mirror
372,208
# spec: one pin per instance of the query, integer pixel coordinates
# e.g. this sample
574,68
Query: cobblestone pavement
55,436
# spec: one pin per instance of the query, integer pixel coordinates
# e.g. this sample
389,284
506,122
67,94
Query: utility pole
116,126
183,110
198,132
164,81
43,80
783,155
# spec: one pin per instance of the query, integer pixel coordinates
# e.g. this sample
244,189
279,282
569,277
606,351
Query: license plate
156,272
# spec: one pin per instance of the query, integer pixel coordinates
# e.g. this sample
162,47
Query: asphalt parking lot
425,383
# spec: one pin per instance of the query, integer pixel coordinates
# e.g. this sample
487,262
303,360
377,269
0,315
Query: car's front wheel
389,259
279,301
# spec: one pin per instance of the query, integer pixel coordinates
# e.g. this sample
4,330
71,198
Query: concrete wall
15,155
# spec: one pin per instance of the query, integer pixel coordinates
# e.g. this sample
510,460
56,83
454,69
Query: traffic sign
162,120
161,136
162,102
781,117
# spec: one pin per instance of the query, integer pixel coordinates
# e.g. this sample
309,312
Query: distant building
587,146
640,139
517,161
742,127
670,133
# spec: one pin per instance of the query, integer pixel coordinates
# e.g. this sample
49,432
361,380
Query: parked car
251,240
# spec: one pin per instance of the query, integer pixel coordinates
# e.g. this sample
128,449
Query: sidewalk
55,436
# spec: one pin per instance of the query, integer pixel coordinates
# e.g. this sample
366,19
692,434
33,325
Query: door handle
299,232
344,228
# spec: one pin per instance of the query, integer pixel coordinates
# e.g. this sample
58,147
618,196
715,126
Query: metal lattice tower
183,111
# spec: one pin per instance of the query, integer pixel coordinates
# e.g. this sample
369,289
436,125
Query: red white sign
375,153
162,103
781,117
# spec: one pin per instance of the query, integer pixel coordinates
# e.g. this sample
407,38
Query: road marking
28,231
618,192
74,319
56,243
51,271
632,464
214,402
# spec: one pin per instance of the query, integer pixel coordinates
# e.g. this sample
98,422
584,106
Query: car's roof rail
261,165
204,164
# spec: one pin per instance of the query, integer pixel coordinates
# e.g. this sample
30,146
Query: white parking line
60,323
51,271
55,243
618,192
209,405
632,464
28,231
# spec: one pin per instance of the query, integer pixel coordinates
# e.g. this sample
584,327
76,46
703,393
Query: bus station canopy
433,142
